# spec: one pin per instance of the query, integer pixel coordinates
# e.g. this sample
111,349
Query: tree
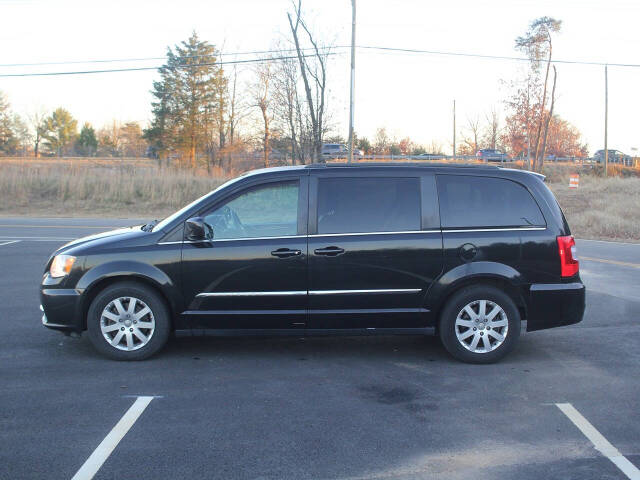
492,130
537,45
471,137
187,99
37,122
381,142
563,139
313,69
262,99
87,143
110,140
61,129
287,105
363,143
8,139
132,143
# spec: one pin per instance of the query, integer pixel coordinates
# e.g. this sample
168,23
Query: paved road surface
318,408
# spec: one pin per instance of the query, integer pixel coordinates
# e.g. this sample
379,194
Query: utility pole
606,120
454,129
353,75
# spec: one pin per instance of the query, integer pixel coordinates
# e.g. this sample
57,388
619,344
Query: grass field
601,208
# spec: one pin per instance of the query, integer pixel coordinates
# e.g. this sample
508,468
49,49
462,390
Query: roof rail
400,164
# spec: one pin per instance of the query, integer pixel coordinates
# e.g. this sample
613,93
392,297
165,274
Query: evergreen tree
61,130
186,108
87,143
8,139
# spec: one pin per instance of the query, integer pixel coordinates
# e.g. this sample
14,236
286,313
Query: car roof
451,168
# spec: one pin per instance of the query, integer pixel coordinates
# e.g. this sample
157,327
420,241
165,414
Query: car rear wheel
479,324
128,321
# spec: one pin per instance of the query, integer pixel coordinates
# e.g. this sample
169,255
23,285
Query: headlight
61,265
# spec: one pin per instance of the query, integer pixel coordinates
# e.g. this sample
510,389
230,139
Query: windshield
167,221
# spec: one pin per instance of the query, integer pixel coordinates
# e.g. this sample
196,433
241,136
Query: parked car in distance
615,156
334,149
462,252
491,155
429,156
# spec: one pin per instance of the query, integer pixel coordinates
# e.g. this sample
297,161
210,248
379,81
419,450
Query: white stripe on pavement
601,443
9,242
110,442
37,239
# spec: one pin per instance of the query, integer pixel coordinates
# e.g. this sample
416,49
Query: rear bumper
61,309
555,305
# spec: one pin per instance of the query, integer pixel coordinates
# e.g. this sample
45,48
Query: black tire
147,295
465,296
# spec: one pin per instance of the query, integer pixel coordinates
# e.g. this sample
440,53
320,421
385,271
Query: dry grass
114,189
601,208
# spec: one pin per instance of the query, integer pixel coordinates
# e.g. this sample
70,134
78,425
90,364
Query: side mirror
194,229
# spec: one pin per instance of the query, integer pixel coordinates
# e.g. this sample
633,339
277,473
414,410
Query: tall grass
62,188
601,208
604,208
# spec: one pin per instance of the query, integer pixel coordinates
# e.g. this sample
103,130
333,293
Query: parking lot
564,404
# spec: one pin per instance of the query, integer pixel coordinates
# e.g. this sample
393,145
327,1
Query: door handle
329,251
285,252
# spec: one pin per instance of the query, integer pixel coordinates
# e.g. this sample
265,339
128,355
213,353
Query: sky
408,94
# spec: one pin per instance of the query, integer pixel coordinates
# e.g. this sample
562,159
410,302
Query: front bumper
555,305
61,309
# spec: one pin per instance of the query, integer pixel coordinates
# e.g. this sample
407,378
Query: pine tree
61,129
87,143
186,107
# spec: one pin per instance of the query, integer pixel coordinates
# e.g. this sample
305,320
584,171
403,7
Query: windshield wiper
149,226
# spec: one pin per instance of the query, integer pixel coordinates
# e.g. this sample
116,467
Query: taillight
569,265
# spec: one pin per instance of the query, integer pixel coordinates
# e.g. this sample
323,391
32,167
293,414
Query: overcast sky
411,95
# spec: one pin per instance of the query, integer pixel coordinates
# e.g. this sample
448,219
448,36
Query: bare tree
262,98
492,132
537,44
38,126
313,69
287,105
546,125
473,127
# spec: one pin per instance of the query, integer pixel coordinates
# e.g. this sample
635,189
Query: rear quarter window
481,202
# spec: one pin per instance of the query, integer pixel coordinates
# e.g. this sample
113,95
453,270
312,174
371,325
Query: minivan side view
463,252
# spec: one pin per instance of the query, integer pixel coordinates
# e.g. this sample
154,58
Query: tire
112,315
456,327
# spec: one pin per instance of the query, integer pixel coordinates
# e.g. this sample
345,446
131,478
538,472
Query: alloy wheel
127,323
481,326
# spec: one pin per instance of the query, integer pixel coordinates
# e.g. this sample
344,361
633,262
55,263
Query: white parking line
110,442
37,239
601,443
9,242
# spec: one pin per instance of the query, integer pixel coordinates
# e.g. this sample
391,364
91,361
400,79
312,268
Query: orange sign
574,180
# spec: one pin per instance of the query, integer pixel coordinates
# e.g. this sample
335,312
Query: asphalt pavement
318,408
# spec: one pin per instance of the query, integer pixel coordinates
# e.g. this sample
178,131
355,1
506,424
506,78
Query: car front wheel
128,321
479,324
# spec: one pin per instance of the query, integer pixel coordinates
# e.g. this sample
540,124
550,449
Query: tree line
57,135
204,114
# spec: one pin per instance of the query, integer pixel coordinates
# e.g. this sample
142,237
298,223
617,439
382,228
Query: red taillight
569,265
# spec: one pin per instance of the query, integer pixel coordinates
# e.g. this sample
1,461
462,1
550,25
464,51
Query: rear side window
468,202
360,205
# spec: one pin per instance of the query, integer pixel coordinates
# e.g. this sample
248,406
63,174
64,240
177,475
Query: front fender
462,274
129,269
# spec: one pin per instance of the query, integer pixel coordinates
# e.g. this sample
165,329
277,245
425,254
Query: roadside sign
574,180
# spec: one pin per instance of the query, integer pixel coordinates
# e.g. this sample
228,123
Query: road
317,408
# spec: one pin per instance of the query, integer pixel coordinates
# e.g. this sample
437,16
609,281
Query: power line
325,51
138,69
144,59
492,57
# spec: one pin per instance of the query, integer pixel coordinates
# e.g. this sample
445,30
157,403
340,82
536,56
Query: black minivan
464,252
